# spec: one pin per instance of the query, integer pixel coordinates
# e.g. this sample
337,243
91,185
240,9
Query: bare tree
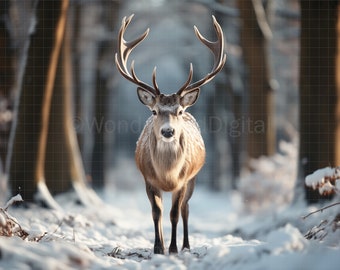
18,20
104,75
46,154
255,35
22,167
6,78
230,94
60,26
77,171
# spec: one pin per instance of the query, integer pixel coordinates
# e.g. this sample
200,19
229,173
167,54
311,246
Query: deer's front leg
177,199
155,197
185,213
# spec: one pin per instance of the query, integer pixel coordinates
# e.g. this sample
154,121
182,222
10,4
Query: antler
125,48
217,48
121,57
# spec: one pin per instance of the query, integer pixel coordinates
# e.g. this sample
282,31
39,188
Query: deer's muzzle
167,132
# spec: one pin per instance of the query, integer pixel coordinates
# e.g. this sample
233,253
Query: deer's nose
168,132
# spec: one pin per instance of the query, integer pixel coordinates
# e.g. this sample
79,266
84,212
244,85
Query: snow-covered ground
119,235
247,229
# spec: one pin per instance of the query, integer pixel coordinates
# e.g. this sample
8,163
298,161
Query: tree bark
23,174
100,153
319,137
20,20
259,124
56,156
6,80
337,79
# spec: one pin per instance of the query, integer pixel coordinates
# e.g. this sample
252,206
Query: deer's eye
154,112
180,112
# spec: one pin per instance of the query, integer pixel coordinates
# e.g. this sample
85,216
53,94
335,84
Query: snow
224,231
16,198
119,235
271,176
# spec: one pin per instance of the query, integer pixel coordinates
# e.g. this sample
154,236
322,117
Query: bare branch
321,209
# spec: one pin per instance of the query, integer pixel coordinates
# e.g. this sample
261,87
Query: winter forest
71,195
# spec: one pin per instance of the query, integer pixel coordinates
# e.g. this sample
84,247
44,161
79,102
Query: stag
170,150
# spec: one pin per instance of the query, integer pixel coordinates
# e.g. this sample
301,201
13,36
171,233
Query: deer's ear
146,97
189,98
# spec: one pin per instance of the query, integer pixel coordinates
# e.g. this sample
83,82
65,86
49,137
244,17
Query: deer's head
168,110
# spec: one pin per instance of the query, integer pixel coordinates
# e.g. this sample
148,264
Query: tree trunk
20,20
98,151
259,124
337,78
75,163
110,11
319,136
55,165
89,23
22,167
51,122
6,79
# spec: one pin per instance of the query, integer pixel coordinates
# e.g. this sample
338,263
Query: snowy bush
326,180
270,185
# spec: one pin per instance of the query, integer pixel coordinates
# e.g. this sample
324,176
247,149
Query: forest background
68,119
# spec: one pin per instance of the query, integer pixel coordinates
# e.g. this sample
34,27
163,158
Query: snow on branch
326,180
13,200
9,226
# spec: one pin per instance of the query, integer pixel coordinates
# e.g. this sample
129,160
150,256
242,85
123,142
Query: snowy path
119,235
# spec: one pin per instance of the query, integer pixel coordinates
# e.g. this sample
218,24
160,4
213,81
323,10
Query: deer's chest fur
168,161
169,165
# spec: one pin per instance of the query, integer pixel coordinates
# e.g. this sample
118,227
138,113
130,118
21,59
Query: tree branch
321,209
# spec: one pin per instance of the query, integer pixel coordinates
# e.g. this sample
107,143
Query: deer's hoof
173,250
158,250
